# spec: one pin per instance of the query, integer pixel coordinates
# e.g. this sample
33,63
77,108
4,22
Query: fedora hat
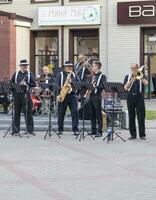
68,63
23,62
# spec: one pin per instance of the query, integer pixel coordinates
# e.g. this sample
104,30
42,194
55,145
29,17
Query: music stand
113,87
50,131
80,86
9,88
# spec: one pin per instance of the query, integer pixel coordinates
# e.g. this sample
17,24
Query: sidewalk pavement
66,169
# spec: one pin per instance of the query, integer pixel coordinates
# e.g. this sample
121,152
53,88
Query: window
43,1
81,0
44,50
5,1
84,42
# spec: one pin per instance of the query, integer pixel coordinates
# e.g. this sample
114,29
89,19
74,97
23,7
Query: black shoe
76,133
143,138
98,135
29,133
60,132
15,134
132,138
92,133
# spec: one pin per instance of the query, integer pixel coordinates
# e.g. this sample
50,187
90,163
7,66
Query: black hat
68,63
23,62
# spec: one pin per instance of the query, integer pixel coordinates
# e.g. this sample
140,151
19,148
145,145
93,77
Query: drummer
46,79
46,76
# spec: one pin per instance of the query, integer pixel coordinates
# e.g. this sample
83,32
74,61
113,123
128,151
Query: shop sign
69,15
136,12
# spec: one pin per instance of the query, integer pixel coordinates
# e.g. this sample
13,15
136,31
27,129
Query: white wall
22,41
123,45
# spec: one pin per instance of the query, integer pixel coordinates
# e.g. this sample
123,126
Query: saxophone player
95,99
71,100
22,101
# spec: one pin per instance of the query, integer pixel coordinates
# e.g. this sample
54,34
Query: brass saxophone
66,89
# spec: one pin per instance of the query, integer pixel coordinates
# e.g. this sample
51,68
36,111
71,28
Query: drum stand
51,130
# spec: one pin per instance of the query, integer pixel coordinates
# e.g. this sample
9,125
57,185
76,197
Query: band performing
74,88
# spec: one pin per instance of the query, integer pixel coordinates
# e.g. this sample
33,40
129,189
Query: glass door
150,63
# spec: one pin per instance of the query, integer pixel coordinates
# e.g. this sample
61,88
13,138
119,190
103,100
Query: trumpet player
22,101
71,100
134,85
95,99
82,68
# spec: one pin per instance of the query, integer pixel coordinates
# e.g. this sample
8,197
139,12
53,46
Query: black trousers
71,101
136,106
20,101
96,113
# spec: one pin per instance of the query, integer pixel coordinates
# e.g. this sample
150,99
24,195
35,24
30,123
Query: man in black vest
70,100
22,101
95,99
135,102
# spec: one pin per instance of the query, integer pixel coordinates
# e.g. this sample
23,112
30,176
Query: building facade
120,32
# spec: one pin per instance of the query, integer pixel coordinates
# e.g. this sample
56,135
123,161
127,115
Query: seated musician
46,76
69,100
46,79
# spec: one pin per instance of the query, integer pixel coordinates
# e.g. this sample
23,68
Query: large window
84,42
45,50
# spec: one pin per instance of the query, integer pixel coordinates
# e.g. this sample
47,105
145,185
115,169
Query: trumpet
85,64
138,75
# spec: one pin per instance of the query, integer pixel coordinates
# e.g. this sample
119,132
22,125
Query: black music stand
113,87
84,101
9,88
50,131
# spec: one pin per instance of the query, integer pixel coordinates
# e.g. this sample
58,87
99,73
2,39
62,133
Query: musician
70,100
46,80
22,101
135,102
82,68
96,98
46,76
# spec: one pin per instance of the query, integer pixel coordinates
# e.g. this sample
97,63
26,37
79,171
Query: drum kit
41,99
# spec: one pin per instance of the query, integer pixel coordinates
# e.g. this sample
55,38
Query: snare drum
37,90
47,93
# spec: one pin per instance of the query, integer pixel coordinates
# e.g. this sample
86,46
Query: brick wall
7,47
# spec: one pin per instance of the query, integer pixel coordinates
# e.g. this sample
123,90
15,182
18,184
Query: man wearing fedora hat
70,100
22,100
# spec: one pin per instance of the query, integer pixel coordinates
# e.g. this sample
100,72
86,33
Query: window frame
11,1
46,1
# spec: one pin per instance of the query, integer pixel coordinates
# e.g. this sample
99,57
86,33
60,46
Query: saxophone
66,89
